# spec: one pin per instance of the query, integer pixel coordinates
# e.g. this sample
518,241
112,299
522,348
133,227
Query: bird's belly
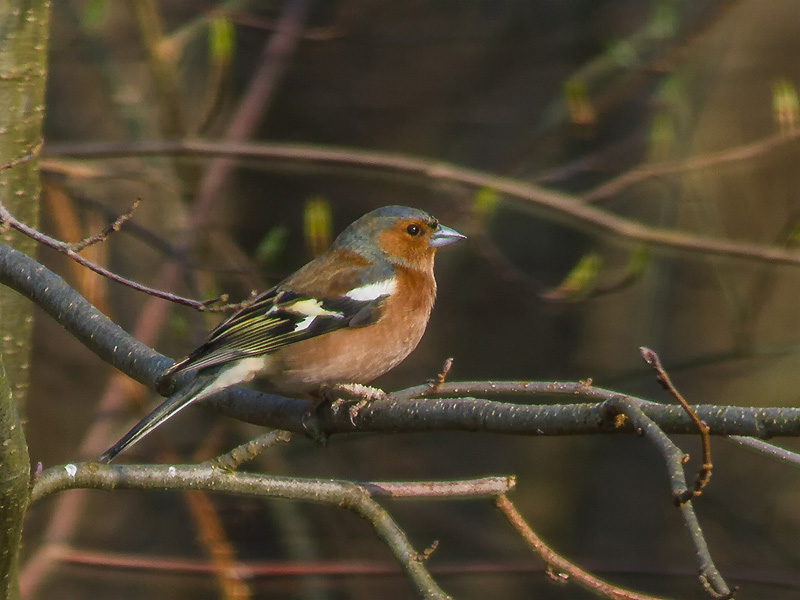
356,355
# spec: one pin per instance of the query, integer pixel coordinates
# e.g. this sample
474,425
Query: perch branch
453,407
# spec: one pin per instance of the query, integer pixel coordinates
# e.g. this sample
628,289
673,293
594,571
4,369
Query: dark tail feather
178,401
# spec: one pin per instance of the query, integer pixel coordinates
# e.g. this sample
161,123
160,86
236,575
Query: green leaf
793,239
272,245
580,281
638,261
785,104
317,225
221,39
485,203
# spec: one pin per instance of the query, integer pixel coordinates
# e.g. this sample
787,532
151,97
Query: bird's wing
283,316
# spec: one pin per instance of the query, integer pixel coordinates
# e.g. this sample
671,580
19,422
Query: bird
348,316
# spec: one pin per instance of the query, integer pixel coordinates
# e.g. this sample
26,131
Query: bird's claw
361,394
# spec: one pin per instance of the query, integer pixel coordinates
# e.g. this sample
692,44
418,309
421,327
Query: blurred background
566,94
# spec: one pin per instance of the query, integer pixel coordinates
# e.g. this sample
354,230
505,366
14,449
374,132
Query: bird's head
401,234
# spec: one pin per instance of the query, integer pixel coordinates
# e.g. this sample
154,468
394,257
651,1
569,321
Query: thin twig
618,184
8,220
704,473
114,226
248,451
441,377
558,563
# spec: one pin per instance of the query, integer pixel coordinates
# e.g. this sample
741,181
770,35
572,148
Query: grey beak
444,235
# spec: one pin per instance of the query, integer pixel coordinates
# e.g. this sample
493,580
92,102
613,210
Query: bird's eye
413,230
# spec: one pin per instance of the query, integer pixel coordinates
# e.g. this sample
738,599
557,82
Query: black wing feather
276,319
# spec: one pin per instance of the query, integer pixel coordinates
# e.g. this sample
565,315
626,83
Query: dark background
484,85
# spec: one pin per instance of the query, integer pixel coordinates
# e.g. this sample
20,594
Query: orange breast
359,355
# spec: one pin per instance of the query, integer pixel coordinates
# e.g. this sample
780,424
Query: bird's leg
362,394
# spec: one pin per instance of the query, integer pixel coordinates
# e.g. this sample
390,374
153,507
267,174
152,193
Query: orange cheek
397,243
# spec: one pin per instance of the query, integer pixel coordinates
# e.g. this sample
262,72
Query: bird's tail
181,399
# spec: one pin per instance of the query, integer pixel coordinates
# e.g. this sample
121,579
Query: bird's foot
361,394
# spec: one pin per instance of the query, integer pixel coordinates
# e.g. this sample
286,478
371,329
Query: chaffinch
348,316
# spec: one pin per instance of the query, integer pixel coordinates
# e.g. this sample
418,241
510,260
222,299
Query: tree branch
344,494
560,207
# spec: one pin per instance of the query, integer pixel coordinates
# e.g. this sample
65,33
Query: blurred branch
341,494
749,151
561,207
165,76
255,102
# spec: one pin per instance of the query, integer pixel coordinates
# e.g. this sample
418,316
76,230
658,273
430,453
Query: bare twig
704,473
111,228
437,383
248,451
558,563
8,220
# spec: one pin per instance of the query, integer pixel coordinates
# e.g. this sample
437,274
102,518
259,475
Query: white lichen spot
71,469
172,471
